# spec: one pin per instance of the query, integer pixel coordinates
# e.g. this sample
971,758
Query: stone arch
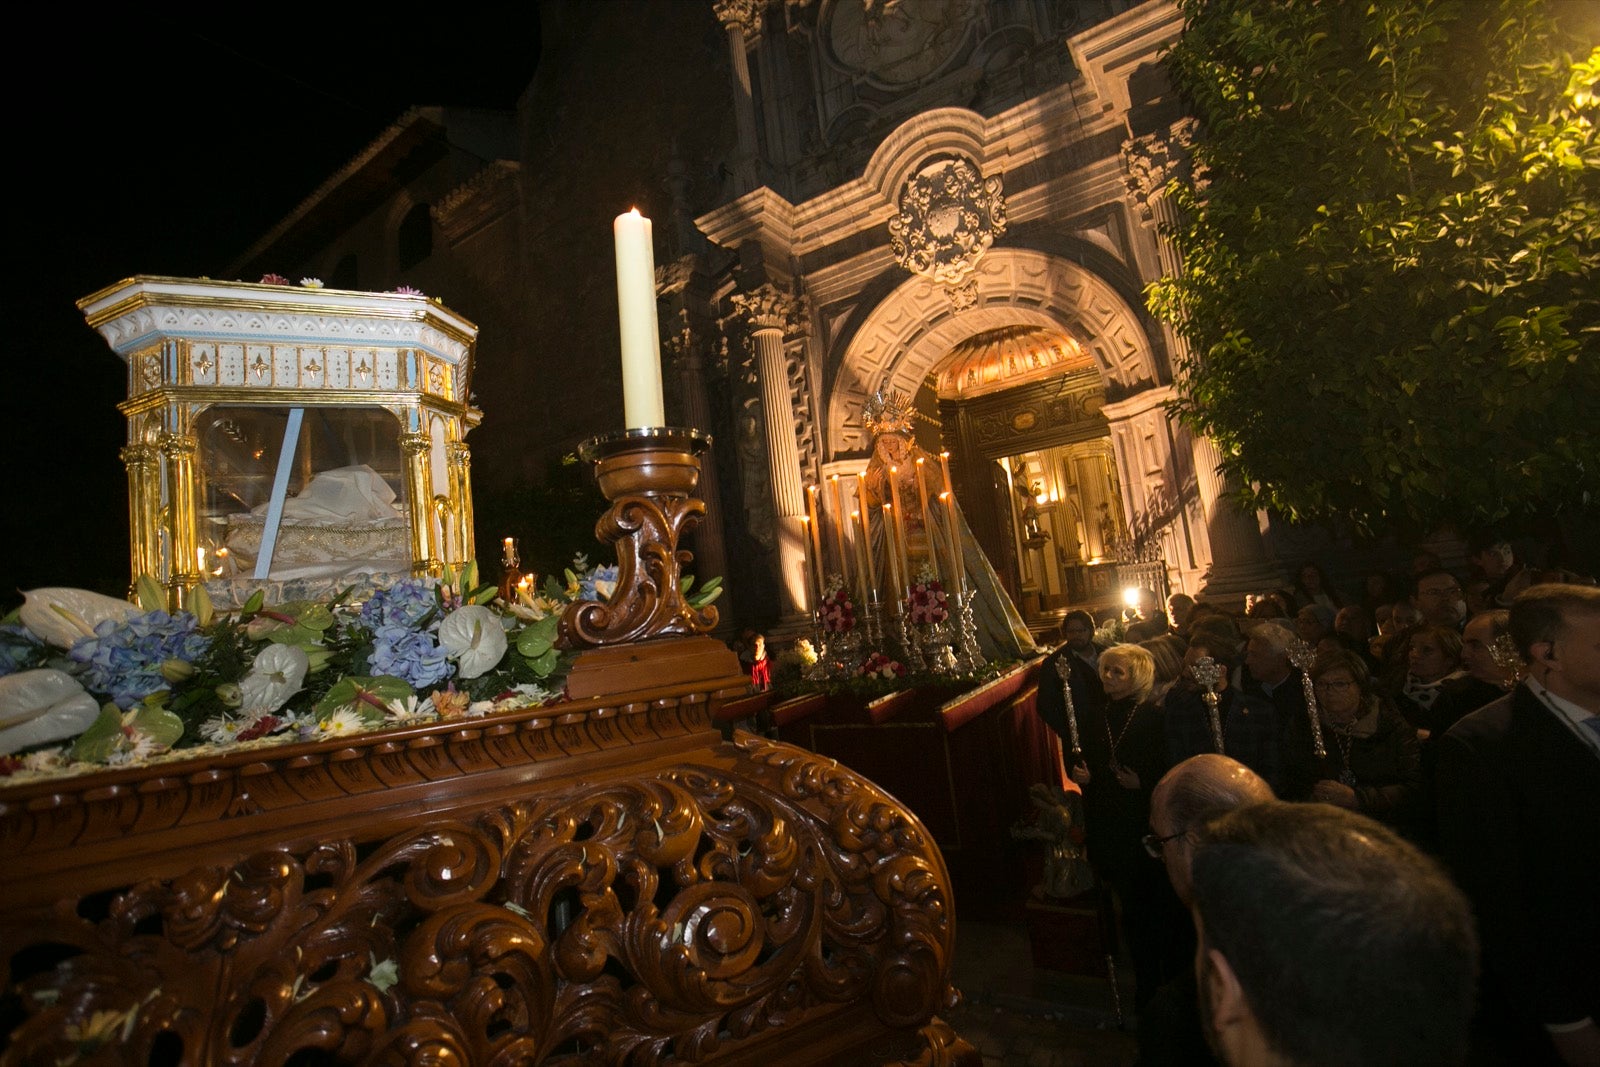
916,325
944,131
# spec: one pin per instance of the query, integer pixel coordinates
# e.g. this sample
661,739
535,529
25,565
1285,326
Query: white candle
838,529
642,402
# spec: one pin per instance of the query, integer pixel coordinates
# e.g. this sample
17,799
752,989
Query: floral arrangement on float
926,602
880,666
88,681
837,610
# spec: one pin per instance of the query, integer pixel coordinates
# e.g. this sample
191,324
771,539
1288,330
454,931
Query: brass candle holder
649,475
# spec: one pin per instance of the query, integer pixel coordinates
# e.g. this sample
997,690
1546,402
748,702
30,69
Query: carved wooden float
962,760
604,881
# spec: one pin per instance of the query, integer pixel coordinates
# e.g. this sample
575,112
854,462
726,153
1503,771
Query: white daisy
221,729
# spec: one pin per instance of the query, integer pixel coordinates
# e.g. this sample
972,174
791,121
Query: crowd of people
1406,779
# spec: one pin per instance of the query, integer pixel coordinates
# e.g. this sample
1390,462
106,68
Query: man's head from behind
1199,788
1324,938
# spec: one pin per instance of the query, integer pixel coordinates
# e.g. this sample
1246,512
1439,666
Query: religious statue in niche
1002,634
1033,534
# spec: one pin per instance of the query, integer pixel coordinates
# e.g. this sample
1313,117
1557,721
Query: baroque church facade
956,200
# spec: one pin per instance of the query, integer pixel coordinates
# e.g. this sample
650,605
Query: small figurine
1059,822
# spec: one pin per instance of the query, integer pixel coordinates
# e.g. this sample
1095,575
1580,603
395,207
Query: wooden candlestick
649,475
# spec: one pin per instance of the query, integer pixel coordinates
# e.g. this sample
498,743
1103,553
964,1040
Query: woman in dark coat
1124,755
1373,763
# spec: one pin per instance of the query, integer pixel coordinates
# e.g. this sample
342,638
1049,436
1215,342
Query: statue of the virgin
888,416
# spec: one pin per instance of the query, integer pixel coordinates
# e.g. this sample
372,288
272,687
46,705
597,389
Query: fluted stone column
769,312
1240,563
742,20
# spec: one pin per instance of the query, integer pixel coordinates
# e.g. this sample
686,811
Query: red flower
260,728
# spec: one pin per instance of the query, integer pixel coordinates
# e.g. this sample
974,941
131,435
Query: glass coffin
303,437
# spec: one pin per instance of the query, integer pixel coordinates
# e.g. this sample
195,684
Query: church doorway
1020,413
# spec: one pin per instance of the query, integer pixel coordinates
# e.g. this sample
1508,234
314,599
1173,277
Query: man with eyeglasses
1197,789
1518,794
1438,595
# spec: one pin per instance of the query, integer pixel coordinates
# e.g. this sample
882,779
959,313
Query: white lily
42,705
60,615
473,636
277,674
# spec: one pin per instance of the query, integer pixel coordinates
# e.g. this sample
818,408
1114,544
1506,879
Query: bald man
1197,789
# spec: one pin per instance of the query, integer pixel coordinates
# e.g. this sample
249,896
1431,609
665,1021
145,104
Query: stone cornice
1139,403
489,195
1107,52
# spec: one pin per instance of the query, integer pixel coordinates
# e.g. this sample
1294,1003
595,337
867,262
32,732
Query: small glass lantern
306,437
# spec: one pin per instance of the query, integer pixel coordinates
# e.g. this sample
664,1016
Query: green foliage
96,743
1391,258
367,696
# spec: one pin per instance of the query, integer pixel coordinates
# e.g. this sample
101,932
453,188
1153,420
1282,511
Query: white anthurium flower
278,673
474,637
60,616
42,705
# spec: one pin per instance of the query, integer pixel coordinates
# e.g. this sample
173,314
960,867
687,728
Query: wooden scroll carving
706,909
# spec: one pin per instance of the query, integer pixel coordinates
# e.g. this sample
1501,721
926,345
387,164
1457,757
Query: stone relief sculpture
949,215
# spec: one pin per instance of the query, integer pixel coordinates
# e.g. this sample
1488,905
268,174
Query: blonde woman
1124,755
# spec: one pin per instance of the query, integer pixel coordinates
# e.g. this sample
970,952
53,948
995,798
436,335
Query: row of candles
944,550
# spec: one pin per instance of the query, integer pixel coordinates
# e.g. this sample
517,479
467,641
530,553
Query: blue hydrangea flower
598,584
404,604
19,649
123,658
409,654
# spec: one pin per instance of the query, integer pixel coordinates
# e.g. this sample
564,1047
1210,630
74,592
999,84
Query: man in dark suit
1519,819
1081,654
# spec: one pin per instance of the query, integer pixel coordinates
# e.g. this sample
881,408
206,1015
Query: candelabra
972,657
913,639
874,619
896,635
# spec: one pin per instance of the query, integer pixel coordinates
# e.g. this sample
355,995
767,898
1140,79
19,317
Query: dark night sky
167,144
